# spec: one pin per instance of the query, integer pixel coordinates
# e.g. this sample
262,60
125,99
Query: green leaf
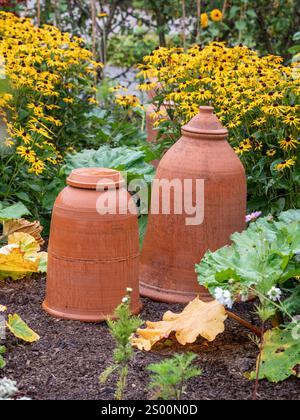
2,361
292,304
295,49
290,216
4,86
251,13
143,223
170,377
43,265
296,37
280,356
233,11
241,25
21,330
262,257
23,196
16,211
128,160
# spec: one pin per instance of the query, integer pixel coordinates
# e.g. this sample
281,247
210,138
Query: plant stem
121,383
243,18
14,175
259,362
224,7
245,323
199,18
39,12
183,23
93,12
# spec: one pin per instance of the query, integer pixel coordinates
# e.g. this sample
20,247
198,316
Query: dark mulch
66,362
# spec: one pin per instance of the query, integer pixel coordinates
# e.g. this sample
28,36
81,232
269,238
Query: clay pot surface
93,252
171,247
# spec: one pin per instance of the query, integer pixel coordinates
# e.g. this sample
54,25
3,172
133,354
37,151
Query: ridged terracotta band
204,135
97,260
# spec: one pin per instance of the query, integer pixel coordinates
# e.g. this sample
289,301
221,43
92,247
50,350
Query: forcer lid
96,178
206,123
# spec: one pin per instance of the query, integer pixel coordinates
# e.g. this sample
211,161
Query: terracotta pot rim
171,296
92,317
99,179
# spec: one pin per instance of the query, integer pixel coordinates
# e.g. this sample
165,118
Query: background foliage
256,98
267,25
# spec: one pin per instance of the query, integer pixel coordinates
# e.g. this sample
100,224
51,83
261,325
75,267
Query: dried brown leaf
197,319
24,226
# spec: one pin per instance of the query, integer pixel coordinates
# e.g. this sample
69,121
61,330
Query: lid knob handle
205,125
206,110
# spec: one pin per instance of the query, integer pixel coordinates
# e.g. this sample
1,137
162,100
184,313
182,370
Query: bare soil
66,362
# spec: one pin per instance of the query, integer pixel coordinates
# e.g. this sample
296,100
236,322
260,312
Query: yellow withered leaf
27,244
15,265
21,257
21,330
197,319
23,226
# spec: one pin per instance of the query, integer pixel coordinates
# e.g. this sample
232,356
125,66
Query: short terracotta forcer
171,246
93,248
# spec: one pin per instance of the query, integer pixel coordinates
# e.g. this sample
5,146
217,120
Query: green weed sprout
121,330
170,377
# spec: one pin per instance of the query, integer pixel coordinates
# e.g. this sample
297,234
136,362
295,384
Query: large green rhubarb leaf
263,256
280,356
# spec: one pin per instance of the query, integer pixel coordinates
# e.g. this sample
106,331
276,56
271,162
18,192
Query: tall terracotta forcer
93,248
171,247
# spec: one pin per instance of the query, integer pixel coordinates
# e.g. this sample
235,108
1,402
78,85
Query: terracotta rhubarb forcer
93,248
171,247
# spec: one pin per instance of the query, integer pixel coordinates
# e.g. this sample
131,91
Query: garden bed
66,362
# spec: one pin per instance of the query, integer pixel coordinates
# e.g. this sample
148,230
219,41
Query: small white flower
129,290
218,293
224,297
125,300
275,294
